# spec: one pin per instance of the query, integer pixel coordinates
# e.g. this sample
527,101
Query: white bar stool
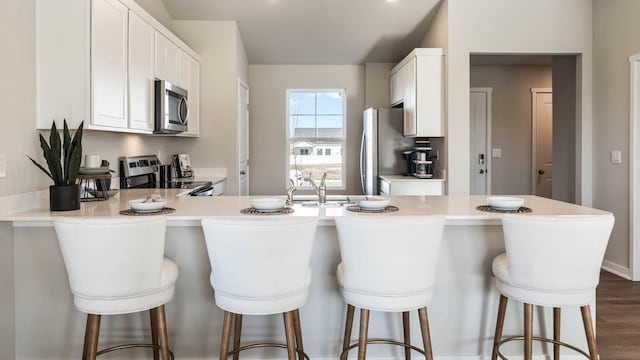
550,261
387,267
117,266
260,267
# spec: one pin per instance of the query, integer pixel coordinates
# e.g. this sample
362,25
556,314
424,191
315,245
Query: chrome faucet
290,190
321,190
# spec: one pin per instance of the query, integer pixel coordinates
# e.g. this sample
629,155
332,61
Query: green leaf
46,150
56,150
40,166
75,156
66,148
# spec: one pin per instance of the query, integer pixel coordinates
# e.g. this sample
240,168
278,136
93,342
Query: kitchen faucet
320,190
290,190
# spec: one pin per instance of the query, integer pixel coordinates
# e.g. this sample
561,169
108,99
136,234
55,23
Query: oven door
172,108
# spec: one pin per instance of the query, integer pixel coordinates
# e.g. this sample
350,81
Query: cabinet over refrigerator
381,147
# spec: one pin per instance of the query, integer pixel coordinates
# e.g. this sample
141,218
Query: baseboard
616,269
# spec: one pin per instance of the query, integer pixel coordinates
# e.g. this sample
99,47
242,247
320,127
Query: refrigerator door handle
362,160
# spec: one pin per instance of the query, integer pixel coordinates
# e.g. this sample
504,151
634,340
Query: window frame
343,91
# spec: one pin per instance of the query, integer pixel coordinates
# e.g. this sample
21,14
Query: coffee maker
182,165
419,163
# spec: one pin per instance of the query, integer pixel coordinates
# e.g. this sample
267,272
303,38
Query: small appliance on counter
182,165
419,160
142,172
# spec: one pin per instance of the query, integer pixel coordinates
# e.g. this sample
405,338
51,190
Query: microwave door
183,111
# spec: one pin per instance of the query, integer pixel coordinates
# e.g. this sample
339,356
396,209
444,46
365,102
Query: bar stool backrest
112,257
259,258
386,254
556,253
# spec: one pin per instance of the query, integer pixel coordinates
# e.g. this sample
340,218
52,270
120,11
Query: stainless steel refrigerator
381,147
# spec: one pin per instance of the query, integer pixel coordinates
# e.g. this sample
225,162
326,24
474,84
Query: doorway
542,142
480,141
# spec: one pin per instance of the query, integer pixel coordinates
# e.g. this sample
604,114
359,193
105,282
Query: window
316,122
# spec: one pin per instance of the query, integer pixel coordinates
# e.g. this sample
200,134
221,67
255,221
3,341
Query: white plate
139,205
373,203
505,202
267,204
94,171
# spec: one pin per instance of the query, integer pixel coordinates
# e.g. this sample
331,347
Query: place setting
505,205
151,205
267,206
373,204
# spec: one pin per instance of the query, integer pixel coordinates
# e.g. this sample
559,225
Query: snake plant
64,159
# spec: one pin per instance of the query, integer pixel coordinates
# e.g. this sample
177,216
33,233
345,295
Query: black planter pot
64,198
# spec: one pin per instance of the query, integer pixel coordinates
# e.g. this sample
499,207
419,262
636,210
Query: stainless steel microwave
171,108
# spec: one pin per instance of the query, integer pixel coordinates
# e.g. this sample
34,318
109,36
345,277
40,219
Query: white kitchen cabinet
109,33
418,83
398,185
192,85
94,64
141,73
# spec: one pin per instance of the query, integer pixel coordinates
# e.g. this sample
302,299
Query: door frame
634,167
489,93
534,124
241,85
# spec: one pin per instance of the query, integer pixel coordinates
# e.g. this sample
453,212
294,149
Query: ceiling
318,31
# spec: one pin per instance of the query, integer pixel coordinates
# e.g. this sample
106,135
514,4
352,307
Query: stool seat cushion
555,298
389,302
133,302
262,305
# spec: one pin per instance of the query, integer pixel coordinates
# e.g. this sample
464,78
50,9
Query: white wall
615,28
268,152
377,87
511,122
506,26
223,60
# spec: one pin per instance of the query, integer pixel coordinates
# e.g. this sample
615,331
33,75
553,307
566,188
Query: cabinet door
193,89
141,73
166,62
109,63
430,96
409,78
184,62
416,188
396,87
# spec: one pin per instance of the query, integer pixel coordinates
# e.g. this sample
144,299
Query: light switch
616,157
3,165
496,153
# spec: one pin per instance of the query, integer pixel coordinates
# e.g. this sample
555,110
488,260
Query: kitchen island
42,323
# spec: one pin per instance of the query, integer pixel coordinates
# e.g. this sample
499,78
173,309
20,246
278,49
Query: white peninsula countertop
461,316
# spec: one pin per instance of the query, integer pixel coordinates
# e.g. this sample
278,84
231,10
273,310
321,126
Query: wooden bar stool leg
290,334
347,328
298,331
237,332
426,335
226,334
556,332
364,330
154,332
528,331
406,326
91,334
502,310
163,337
588,330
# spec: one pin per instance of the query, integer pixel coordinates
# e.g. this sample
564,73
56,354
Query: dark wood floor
618,318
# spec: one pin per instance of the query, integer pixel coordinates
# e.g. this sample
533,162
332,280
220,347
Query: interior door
480,116
542,172
243,138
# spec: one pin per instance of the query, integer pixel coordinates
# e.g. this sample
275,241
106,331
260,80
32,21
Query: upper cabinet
97,61
417,83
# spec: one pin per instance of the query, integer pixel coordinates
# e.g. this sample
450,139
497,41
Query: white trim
534,123
634,166
489,93
242,84
616,269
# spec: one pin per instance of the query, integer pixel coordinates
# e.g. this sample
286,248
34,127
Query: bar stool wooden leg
290,334
91,337
588,329
237,332
528,331
406,326
298,331
226,334
364,330
347,327
163,337
556,332
502,310
154,333
426,335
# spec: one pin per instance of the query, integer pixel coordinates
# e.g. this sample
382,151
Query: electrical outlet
616,157
3,165
496,153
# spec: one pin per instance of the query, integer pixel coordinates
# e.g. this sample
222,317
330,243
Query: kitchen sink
312,200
